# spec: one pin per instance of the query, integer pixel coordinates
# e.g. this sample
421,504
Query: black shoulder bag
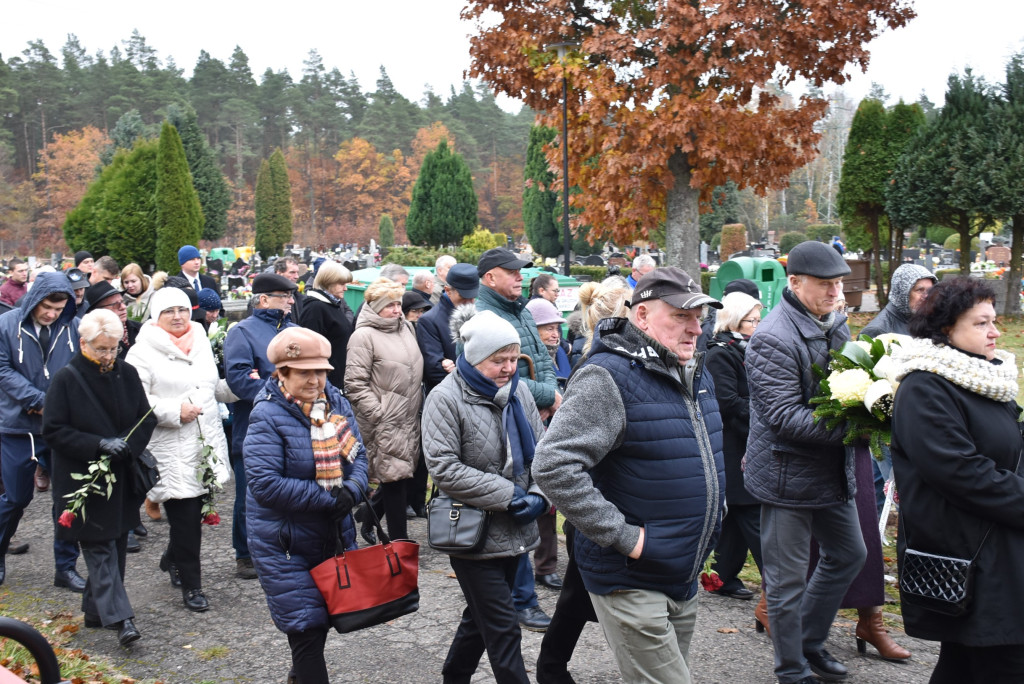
942,584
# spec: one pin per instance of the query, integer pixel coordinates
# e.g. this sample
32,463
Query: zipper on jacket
707,457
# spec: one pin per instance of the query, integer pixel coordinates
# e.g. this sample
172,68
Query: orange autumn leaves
652,78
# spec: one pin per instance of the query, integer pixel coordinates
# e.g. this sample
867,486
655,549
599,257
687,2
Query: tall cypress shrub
444,204
179,218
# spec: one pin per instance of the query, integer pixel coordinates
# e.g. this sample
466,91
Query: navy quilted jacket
631,447
793,460
288,515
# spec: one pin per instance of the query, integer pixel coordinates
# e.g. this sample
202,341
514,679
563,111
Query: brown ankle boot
871,630
761,615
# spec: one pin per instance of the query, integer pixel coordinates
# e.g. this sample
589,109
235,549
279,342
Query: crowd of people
706,443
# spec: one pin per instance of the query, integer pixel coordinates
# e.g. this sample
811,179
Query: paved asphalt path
236,641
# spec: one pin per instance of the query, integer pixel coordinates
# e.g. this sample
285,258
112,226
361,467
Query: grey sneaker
244,568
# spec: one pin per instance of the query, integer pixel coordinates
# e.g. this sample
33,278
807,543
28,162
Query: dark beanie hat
742,285
818,260
81,256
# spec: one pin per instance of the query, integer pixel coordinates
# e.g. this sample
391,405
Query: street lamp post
562,48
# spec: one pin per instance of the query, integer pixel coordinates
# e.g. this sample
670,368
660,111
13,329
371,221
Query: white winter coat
170,379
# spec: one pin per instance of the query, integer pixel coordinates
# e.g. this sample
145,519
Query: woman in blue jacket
306,467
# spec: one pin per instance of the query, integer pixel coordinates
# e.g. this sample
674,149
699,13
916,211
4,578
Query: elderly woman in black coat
92,405
956,447
741,528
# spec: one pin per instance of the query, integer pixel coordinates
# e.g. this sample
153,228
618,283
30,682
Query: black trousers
489,622
389,503
308,664
105,597
741,530
183,516
545,557
572,612
416,490
959,664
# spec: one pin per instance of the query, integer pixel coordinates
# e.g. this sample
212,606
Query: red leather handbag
369,586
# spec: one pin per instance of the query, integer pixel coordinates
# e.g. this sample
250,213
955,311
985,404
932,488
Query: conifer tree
264,212
179,218
281,191
539,200
209,182
386,229
129,213
444,205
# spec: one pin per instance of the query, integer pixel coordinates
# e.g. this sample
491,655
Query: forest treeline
352,155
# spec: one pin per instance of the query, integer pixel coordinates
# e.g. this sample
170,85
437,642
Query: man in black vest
633,458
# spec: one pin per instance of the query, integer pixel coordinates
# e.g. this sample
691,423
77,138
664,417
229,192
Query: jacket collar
807,328
276,317
488,296
619,336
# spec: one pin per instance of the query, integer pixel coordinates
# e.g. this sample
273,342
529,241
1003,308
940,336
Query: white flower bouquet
859,390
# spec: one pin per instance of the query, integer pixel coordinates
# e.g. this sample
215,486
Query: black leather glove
116,447
524,511
343,500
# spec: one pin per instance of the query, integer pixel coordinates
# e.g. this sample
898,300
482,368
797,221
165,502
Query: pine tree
539,200
386,230
444,205
209,182
281,190
179,218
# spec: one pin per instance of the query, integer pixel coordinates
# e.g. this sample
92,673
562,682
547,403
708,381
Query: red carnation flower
66,518
711,581
211,519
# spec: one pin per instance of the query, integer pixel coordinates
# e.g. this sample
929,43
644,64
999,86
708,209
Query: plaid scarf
331,436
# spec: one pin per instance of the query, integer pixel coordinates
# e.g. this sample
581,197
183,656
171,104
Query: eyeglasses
177,311
278,294
102,351
119,304
752,322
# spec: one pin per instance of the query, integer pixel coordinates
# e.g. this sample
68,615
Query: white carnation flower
888,339
866,346
850,385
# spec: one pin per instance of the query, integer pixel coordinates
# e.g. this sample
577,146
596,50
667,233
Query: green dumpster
769,275
225,254
365,276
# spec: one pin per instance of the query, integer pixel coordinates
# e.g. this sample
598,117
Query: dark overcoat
954,453
73,426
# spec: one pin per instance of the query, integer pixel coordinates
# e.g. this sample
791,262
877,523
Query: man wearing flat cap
799,469
247,368
633,459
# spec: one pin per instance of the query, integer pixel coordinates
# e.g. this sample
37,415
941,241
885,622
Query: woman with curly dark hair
956,446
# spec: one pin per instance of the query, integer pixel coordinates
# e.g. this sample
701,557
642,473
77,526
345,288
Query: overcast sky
423,42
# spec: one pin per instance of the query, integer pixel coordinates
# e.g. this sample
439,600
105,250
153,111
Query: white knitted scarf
995,381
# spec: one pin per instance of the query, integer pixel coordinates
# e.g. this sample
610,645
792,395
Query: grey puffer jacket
792,460
896,314
465,447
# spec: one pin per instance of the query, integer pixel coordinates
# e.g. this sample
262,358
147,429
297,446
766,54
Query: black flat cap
818,260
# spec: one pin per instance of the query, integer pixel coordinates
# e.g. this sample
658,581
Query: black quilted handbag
938,583
941,584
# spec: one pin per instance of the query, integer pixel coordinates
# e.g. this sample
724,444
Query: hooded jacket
896,314
383,380
24,375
